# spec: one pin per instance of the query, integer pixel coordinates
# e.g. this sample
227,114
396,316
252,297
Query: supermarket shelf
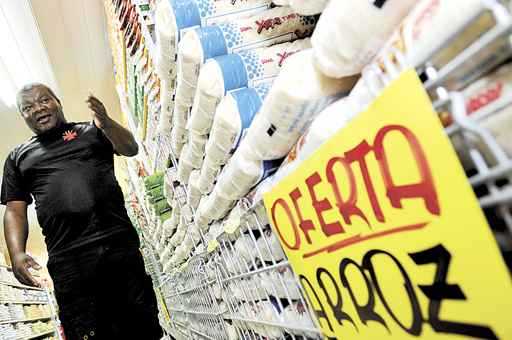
127,112
274,324
39,335
17,285
148,39
186,311
132,127
140,196
25,320
26,302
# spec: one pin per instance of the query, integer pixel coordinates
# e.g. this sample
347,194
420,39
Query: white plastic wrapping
308,7
297,95
281,284
233,71
174,17
331,120
194,194
263,29
184,166
233,117
242,173
297,315
270,247
350,33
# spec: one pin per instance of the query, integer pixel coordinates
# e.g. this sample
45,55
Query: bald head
40,107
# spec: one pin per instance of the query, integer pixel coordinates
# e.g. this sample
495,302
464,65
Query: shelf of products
219,144
26,320
17,285
38,335
25,312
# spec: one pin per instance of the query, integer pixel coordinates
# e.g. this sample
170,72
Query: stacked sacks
298,94
264,29
233,117
172,19
233,71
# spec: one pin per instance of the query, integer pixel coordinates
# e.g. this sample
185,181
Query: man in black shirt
99,278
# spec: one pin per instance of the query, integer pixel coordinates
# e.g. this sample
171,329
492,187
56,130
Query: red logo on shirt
69,135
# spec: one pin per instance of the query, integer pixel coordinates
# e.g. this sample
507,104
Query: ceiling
75,42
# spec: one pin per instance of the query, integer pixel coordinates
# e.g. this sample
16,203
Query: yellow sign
385,233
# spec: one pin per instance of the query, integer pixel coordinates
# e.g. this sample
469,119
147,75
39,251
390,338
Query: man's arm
122,139
16,234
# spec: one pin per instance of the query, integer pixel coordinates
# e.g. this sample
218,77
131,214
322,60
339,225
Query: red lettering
488,96
304,225
245,29
322,205
349,207
286,208
424,188
268,24
358,154
283,57
266,61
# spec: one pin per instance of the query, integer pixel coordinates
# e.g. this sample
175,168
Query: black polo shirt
69,171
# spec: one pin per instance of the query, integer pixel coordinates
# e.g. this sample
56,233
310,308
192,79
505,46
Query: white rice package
431,25
331,120
212,207
343,45
281,283
242,173
298,94
174,17
249,289
244,247
192,155
308,7
184,166
296,314
270,27
194,195
436,31
218,204
270,247
268,311
233,117
233,71
207,177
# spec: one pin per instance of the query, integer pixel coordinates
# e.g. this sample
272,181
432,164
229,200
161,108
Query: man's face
41,111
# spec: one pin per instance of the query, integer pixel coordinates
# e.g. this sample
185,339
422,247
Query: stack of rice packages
216,54
250,85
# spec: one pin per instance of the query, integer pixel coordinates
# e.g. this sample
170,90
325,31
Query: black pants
103,292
